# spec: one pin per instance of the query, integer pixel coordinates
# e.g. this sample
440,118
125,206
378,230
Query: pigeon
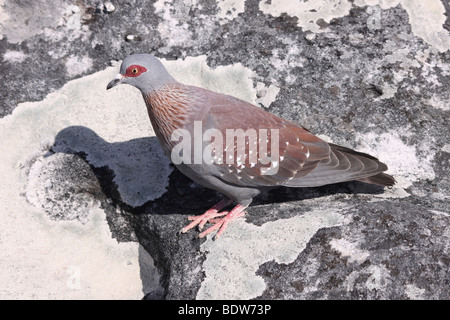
246,150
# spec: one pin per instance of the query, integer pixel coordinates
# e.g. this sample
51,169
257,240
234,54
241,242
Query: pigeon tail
381,179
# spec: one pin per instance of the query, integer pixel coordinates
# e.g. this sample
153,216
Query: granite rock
87,191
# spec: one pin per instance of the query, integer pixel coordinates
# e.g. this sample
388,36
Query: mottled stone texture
365,81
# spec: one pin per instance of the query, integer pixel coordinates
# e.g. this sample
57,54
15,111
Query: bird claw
221,224
212,213
211,216
210,219
201,220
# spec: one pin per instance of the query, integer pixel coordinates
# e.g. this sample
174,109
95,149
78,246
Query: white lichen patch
350,250
446,148
71,17
403,160
3,17
229,9
61,194
172,28
19,22
41,259
266,95
426,18
439,102
54,18
324,137
414,293
288,60
308,12
36,252
388,90
383,4
232,262
406,64
78,65
234,79
378,278
13,56
446,214
44,259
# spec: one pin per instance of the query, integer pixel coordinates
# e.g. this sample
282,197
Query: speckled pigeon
303,160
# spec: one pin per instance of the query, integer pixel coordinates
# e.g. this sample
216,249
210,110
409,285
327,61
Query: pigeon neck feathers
168,108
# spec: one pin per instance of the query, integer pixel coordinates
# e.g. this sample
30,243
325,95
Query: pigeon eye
135,71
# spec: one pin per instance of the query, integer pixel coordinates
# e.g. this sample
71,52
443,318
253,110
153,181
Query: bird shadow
127,170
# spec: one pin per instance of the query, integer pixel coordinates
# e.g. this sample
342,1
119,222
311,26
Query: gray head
143,71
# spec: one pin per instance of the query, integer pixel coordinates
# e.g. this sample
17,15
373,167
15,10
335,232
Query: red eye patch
134,71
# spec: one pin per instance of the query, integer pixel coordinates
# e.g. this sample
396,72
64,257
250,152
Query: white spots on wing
307,154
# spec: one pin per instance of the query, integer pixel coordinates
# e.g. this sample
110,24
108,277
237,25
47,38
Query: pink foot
212,213
222,223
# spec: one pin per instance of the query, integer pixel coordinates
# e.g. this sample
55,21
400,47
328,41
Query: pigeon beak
114,82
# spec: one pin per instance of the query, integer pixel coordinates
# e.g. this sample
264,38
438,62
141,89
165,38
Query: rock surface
91,207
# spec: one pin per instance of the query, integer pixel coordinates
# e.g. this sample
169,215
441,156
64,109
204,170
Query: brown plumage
167,109
302,159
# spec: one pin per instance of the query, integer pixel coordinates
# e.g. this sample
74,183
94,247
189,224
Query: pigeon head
142,71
